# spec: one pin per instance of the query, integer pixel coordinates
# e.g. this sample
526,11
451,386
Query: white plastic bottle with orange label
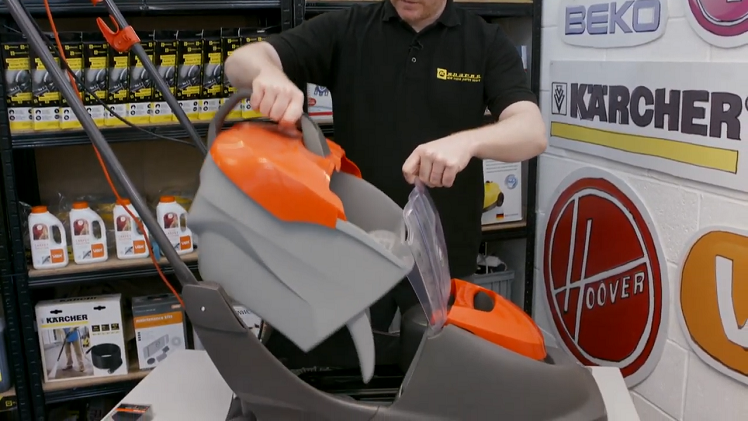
172,218
130,240
88,235
49,246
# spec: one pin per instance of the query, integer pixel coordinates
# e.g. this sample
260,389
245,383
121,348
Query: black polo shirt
394,89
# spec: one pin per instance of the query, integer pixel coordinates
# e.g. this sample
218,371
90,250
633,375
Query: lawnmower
290,229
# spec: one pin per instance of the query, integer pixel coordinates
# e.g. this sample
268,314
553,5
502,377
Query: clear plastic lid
430,275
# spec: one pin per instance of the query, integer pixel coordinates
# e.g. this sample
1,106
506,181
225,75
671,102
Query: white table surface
187,386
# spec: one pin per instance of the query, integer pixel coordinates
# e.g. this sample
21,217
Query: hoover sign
655,115
605,277
713,300
608,24
722,23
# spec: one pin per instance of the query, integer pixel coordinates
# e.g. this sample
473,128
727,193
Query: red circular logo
603,278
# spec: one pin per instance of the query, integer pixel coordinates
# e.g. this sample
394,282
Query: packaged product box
212,75
141,87
118,89
96,75
251,320
250,35
17,70
81,337
72,43
189,72
45,94
319,103
503,192
230,41
159,328
165,59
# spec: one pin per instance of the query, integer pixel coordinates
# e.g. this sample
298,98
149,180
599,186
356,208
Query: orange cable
103,164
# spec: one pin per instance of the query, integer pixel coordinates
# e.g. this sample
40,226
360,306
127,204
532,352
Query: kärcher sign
609,24
655,115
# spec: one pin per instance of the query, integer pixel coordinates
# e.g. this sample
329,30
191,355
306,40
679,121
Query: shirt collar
448,17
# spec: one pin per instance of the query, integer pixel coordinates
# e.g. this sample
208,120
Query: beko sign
610,24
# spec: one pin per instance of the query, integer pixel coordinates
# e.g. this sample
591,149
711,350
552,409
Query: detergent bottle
172,218
130,240
89,235
49,246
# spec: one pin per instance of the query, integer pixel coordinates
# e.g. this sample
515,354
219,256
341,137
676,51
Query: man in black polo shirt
410,82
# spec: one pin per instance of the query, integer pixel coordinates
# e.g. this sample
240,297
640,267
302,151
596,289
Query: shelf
514,8
71,390
76,6
36,7
505,231
8,400
110,270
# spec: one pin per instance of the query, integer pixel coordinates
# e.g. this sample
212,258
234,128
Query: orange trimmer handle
313,137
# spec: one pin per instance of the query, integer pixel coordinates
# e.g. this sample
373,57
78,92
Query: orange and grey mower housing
289,228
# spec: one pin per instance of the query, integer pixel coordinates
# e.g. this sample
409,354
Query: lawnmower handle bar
312,135
183,273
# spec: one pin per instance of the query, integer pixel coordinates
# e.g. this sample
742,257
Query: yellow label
444,74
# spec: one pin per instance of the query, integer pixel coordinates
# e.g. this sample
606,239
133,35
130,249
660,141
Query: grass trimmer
289,228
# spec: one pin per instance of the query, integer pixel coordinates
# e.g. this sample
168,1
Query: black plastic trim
87,392
103,275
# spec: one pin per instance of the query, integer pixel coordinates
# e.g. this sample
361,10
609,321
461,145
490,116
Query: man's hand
276,97
437,163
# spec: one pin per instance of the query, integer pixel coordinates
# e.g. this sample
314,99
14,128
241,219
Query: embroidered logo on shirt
444,74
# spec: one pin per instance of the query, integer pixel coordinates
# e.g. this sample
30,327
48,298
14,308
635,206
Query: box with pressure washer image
81,337
141,87
118,88
96,75
45,99
230,41
502,201
319,101
212,75
72,44
17,71
165,60
159,328
190,72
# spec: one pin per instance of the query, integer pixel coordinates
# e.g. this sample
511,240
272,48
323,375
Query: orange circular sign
714,301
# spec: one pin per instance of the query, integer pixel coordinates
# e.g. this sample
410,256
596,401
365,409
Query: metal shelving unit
17,282
20,182
500,9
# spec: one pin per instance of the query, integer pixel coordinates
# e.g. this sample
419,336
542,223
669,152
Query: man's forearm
514,138
243,66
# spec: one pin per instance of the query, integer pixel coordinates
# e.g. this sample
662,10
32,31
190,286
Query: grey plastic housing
456,376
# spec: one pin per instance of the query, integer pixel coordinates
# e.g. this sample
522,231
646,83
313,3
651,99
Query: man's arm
519,133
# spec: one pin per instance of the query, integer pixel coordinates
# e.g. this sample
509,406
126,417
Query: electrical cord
77,82
61,54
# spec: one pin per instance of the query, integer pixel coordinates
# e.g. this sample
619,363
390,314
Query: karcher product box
319,103
189,72
96,76
72,43
212,75
17,70
165,59
140,90
503,192
230,41
159,328
45,95
81,337
119,87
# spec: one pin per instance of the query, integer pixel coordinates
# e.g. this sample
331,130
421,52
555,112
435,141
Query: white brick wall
682,387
